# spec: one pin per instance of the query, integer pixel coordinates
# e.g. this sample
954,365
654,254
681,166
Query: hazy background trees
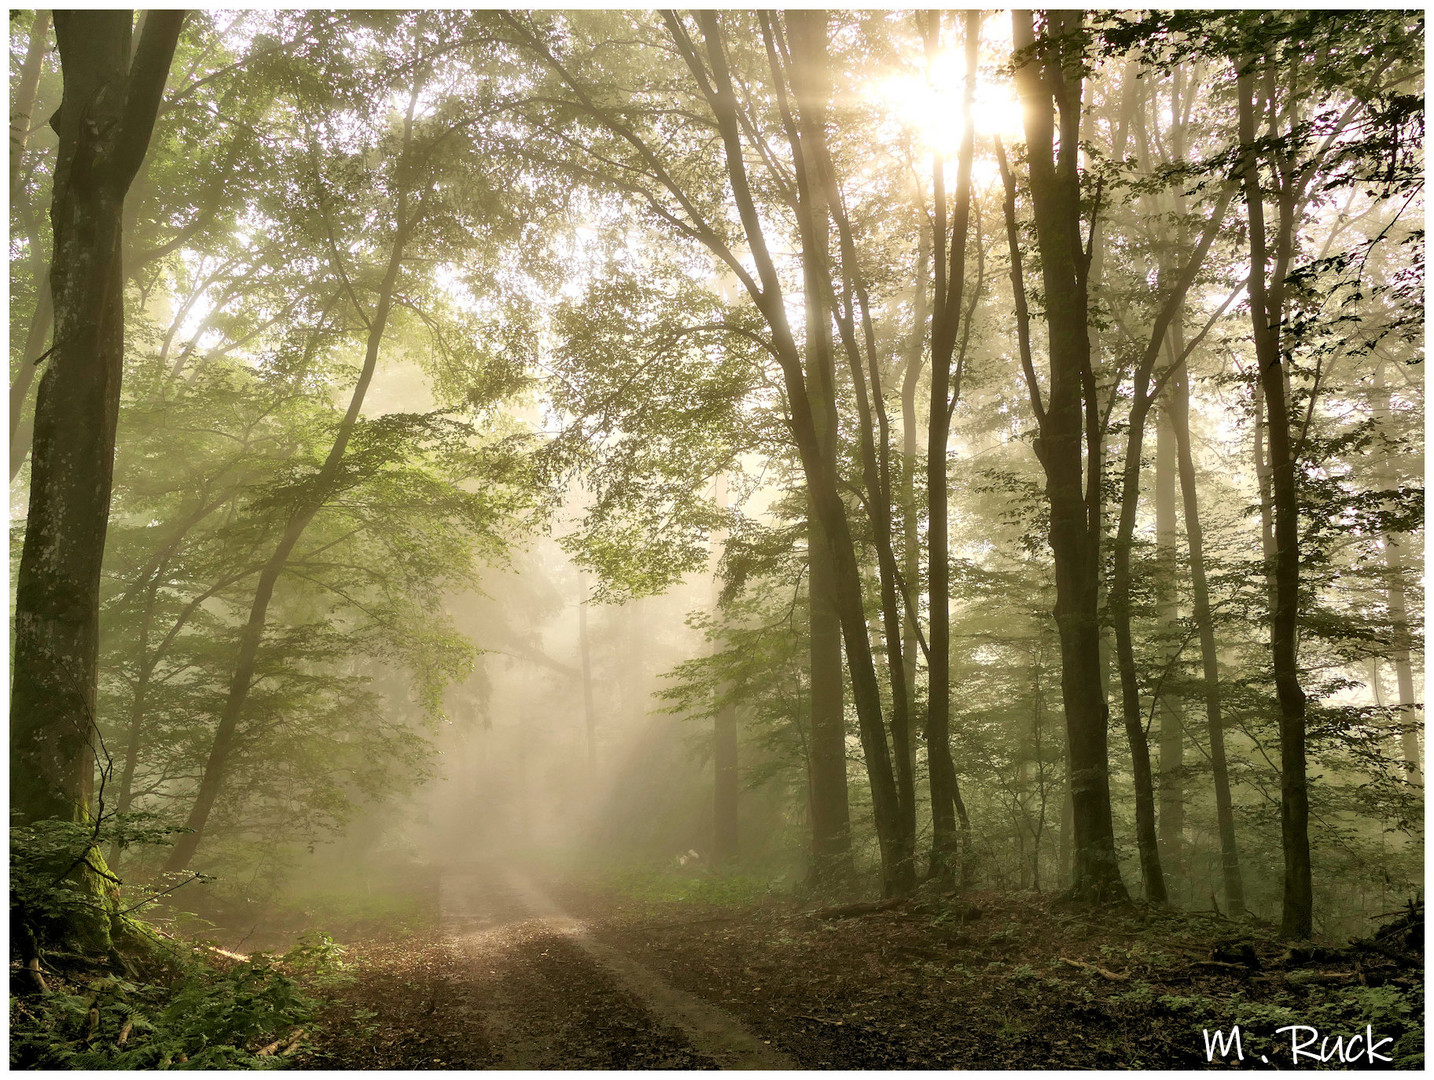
523,413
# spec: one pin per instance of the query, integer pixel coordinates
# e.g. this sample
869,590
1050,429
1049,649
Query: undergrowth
135,997
205,1012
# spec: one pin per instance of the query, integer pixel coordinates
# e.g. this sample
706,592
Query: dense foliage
1116,316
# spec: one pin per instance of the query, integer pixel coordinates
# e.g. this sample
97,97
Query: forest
716,539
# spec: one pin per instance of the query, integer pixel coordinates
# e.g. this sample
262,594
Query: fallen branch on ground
1113,976
1222,964
289,1044
868,907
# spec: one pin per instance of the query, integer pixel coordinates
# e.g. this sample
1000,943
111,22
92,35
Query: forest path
538,970
550,995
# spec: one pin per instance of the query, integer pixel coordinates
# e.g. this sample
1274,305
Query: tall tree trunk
585,650
1179,402
910,517
21,122
945,325
225,736
819,206
1409,712
1146,841
111,97
1171,710
726,780
830,809
1167,613
1267,313
715,80
1048,89
1146,837
831,815
104,126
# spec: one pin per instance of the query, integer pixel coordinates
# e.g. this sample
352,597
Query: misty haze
720,539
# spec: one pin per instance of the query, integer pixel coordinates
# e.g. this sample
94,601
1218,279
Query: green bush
206,1019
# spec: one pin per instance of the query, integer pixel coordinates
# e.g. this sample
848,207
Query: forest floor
520,971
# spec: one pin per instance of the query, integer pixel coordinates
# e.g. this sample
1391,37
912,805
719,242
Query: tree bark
104,125
767,293
1048,88
830,808
1171,712
1409,711
946,318
1144,397
1179,404
910,517
831,815
1267,313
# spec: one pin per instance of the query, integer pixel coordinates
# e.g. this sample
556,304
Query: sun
929,105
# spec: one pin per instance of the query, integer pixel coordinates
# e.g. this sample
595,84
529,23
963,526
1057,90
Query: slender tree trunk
1267,312
946,317
1171,711
1409,712
589,714
892,802
21,432
831,815
21,122
911,524
766,291
726,780
1147,843
1179,402
820,205
225,735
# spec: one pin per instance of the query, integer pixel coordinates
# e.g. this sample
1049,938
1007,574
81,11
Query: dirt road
550,995
526,972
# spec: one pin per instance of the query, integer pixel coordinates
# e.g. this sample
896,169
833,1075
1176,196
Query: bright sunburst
930,104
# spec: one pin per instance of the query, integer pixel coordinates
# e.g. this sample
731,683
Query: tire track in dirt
554,997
